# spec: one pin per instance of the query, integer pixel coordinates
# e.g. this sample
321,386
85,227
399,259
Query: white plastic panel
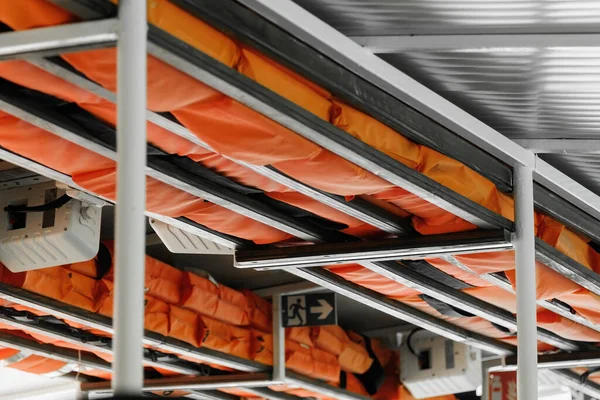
180,241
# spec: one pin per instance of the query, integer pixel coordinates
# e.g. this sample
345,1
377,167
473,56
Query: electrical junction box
444,367
57,236
180,241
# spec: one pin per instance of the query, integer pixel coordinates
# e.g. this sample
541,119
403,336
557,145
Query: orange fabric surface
365,277
166,16
584,303
58,283
186,326
379,136
226,221
226,338
217,301
259,310
458,273
38,365
285,83
156,313
251,136
32,14
299,200
17,136
162,281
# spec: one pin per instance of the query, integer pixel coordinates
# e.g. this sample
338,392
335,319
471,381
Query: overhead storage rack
393,259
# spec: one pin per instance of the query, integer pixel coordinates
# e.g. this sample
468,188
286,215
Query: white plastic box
36,240
449,367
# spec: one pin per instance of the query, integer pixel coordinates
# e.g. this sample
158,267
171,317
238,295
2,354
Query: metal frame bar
356,208
251,380
253,29
50,331
61,130
59,39
400,310
374,250
463,301
525,254
178,178
309,29
130,221
560,146
505,284
246,91
365,296
279,372
585,359
151,339
401,43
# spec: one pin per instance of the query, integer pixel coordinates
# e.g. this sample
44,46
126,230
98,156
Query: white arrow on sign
324,308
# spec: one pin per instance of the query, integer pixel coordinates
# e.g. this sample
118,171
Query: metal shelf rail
248,92
175,53
321,277
167,56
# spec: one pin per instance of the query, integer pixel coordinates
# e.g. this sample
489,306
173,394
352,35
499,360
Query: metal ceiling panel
392,17
522,92
583,167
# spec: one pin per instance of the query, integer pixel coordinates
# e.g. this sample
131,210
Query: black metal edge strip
175,175
466,302
428,244
164,46
254,30
566,266
566,212
400,310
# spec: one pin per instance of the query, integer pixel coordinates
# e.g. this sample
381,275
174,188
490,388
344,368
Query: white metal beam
524,241
130,222
58,39
476,42
561,146
310,29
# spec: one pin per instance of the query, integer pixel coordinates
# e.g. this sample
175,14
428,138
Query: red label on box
503,385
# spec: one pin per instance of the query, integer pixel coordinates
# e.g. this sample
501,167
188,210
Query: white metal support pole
278,341
130,221
526,285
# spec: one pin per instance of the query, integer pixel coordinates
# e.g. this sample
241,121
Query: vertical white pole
526,286
278,341
131,198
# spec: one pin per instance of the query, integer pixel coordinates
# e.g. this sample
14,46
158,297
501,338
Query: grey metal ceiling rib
393,17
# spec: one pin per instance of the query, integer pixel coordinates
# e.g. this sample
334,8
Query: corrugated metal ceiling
522,92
